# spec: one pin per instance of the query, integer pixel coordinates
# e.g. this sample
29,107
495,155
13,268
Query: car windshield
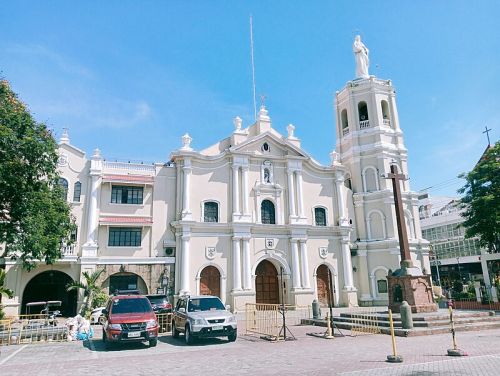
205,304
139,305
157,299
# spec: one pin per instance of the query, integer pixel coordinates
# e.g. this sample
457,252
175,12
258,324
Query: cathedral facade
253,218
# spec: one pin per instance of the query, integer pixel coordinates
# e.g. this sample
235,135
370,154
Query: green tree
90,289
35,219
4,291
481,200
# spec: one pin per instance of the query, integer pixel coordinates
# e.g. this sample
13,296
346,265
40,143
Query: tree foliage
35,219
90,289
481,200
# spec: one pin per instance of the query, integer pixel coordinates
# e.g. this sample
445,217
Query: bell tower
369,141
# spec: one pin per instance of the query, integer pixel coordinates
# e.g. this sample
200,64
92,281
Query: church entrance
323,284
51,285
210,281
266,283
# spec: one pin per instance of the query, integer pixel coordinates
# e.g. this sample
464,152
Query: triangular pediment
277,146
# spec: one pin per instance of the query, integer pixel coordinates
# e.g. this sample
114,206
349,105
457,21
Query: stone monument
361,57
407,283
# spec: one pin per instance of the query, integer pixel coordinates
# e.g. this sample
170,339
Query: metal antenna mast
253,70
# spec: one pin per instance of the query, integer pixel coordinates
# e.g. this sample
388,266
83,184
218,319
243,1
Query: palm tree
4,291
89,287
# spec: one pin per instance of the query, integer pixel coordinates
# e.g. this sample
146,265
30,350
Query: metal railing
267,319
487,299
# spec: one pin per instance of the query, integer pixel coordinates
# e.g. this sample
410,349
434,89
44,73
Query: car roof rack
126,292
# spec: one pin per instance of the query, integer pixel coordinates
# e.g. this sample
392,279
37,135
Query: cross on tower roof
487,131
263,98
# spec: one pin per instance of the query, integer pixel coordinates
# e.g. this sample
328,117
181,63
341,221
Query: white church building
244,217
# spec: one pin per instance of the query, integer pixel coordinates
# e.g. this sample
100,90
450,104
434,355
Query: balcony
69,251
345,131
364,124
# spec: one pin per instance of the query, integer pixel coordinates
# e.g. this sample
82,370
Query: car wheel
153,342
232,337
175,332
188,336
101,320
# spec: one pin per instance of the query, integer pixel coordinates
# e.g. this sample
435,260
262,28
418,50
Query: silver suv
202,317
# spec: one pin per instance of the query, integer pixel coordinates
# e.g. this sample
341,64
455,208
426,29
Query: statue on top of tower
361,57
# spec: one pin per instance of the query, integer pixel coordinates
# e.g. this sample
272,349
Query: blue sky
131,77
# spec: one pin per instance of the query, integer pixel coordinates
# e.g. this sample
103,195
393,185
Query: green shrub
100,300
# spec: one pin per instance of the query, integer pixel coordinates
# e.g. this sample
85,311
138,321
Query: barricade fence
364,320
164,322
31,329
267,319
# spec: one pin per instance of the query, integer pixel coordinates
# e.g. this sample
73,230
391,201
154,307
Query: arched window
345,122
267,212
320,216
363,115
385,113
64,184
77,191
348,183
210,212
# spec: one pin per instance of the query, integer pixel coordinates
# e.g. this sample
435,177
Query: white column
92,223
223,281
244,183
305,265
336,287
236,264
185,266
291,194
339,182
247,272
236,190
295,264
187,188
346,258
300,204
373,286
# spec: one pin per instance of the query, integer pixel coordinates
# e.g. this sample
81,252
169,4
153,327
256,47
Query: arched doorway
210,281
266,283
323,284
51,285
124,281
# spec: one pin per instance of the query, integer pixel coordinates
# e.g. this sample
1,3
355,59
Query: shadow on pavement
197,343
98,345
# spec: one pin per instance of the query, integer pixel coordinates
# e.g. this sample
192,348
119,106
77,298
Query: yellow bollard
455,351
394,358
328,333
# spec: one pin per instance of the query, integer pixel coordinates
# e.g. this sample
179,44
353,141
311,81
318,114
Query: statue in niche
267,176
361,57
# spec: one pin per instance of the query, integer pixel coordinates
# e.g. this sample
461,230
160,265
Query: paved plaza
357,355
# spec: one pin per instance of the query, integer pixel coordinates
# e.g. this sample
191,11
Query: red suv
129,318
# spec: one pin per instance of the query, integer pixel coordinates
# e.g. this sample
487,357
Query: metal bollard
394,358
406,315
315,309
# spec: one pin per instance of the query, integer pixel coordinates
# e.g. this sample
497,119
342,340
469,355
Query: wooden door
210,281
323,284
266,283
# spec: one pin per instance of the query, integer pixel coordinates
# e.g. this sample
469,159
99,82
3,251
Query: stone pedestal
416,290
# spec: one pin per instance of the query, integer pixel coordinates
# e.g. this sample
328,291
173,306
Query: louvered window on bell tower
362,111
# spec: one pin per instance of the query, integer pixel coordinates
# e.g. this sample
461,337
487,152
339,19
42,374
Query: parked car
96,316
129,318
202,317
160,303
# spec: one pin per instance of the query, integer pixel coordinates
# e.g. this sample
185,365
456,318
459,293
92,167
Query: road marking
11,355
